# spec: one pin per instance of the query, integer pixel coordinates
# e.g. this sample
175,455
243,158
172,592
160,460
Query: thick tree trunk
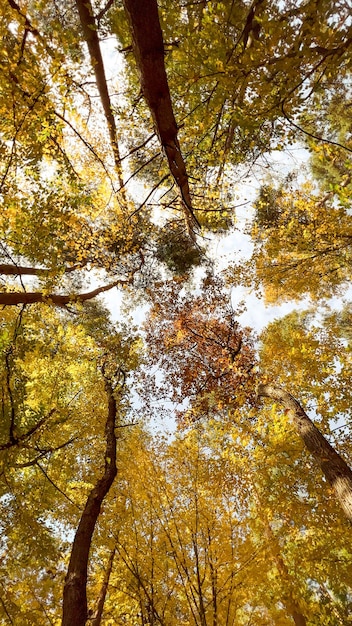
148,47
75,589
335,469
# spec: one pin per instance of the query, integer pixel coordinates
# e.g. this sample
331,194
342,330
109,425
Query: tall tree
335,469
75,589
236,100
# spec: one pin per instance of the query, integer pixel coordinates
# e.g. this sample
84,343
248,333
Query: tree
227,112
183,557
52,434
75,589
233,100
207,530
202,333
336,470
202,528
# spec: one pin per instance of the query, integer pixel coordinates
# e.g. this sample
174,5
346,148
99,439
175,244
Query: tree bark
334,468
26,297
8,269
75,588
148,47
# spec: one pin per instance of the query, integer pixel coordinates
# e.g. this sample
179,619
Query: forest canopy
170,465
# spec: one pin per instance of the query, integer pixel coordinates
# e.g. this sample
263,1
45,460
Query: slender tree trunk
75,588
329,596
288,597
335,469
90,34
289,601
96,620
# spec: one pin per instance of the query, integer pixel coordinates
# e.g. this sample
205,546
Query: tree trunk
96,620
75,588
148,47
288,598
335,469
90,34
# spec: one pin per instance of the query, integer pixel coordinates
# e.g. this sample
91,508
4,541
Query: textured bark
148,47
75,588
335,469
90,35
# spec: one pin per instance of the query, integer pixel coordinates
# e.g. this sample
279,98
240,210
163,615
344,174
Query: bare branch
55,486
306,132
104,10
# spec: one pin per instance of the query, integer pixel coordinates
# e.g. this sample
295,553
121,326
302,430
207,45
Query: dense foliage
144,478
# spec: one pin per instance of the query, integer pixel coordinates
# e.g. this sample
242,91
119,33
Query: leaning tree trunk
90,33
75,589
335,469
148,48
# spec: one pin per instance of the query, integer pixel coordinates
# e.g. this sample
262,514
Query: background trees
120,182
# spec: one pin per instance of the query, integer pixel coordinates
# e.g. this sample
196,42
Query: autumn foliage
165,165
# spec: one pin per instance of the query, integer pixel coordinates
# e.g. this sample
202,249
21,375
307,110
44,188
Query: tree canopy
181,469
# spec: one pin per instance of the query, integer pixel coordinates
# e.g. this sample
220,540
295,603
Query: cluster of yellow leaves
302,244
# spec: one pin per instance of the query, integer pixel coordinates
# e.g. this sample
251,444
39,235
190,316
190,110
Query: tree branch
20,270
21,297
104,10
306,132
96,619
27,22
42,454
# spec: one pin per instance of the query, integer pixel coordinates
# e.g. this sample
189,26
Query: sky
236,245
